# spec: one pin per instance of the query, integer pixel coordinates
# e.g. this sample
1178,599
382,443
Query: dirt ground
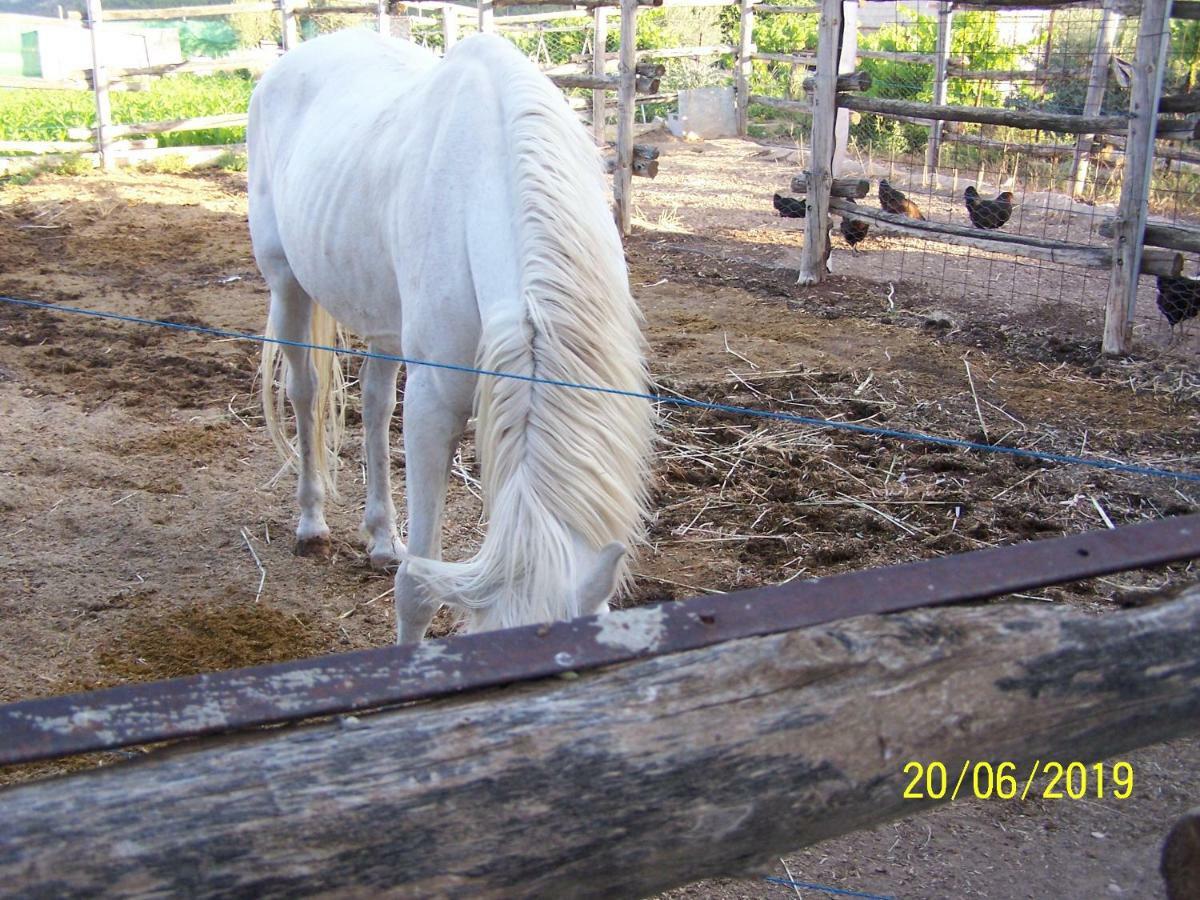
135,476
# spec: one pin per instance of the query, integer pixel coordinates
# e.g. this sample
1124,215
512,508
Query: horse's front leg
437,404
378,378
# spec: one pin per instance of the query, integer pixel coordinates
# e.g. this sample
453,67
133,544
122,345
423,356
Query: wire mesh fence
1063,187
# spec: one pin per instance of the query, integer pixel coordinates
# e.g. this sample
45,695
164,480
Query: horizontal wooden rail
848,188
924,59
1185,9
199,123
74,146
646,775
1154,262
596,82
1041,151
687,52
793,106
987,115
795,10
311,12
795,59
186,12
19,83
1180,103
1158,234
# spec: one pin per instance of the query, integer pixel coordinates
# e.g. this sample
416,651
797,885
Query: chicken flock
1178,296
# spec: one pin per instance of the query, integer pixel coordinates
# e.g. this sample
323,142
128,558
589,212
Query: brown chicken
854,231
895,202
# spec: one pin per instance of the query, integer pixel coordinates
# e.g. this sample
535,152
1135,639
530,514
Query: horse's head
502,596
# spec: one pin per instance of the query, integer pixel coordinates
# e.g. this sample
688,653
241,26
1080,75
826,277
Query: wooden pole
624,781
290,29
487,17
945,22
627,71
1110,21
449,27
382,18
820,169
599,50
100,85
1154,37
847,57
744,66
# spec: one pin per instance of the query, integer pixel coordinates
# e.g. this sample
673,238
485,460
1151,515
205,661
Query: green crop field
38,115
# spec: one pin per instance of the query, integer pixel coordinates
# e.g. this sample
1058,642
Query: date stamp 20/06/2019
1003,781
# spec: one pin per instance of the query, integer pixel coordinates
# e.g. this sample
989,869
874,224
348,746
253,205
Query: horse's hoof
319,546
384,561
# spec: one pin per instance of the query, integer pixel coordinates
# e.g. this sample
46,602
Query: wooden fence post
1110,20
847,58
744,66
820,174
599,58
291,33
382,15
627,70
100,85
449,27
487,17
942,52
1154,38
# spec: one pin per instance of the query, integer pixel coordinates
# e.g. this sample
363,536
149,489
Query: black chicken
895,202
789,207
1178,297
854,231
988,213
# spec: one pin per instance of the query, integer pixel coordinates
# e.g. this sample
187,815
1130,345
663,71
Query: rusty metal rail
240,699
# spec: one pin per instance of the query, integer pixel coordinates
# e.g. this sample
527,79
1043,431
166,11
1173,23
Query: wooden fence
1152,117
690,739
107,144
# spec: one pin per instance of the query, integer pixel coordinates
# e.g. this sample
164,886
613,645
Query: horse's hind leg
291,314
378,377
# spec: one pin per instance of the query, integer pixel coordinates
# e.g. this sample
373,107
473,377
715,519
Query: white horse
454,211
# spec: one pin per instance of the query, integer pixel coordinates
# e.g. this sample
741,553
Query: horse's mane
555,458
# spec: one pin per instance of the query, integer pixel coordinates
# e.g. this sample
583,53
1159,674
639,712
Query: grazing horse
454,211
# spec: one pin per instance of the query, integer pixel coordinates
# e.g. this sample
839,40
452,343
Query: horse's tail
330,418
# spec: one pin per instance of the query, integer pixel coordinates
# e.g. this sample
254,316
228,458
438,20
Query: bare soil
135,476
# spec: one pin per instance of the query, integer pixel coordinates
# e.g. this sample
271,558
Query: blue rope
841,892
637,395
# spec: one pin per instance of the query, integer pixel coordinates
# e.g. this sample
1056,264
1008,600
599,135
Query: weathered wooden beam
849,188
199,123
1173,237
1150,61
1180,864
988,115
624,781
745,53
99,78
793,106
1043,151
596,82
1154,262
627,72
306,12
599,100
822,145
945,20
851,81
794,10
75,146
1110,20
793,59
186,12
1180,103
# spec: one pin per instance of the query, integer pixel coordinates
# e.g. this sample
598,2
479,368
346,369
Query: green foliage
231,162
28,115
171,164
